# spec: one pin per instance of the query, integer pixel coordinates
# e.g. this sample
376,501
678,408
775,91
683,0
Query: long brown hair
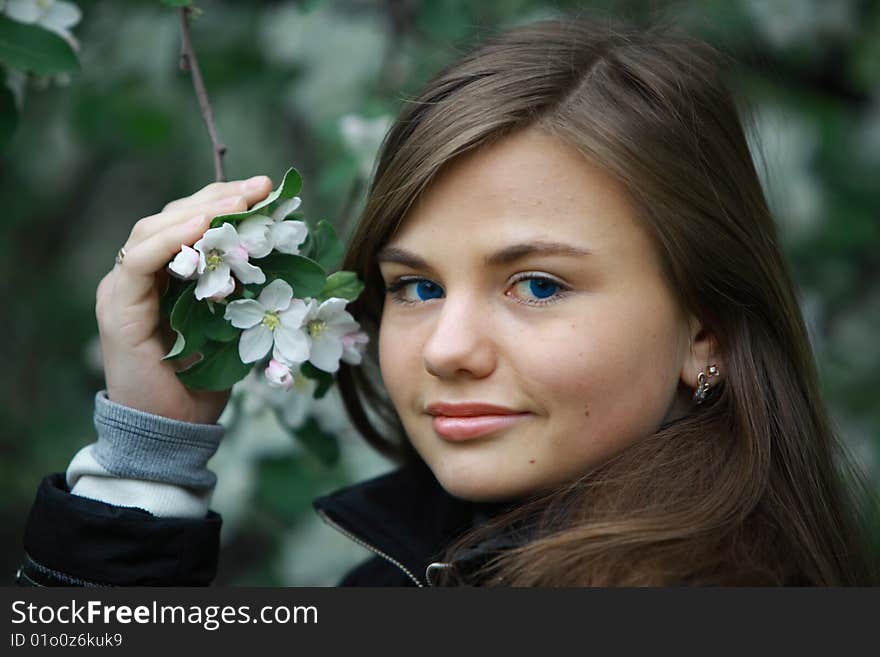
751,487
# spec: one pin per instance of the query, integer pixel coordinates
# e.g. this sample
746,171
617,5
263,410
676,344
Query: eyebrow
505,256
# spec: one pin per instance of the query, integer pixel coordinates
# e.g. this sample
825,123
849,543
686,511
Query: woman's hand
134,337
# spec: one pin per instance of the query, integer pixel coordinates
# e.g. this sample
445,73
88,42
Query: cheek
613,377
399,360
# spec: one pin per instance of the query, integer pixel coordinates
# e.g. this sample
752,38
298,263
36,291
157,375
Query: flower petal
223,238
208,241
243,270
23,11
325,353
295,314
185,264
244,313
228,289
353,347
199,246
255,343
331,307
255,235
213,281
340,330
276,295
288,235
285,208
61,16
292,345
339,318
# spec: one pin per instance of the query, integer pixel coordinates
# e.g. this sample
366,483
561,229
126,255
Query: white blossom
274,318
326,325
55,15
260,234
220,254
255,235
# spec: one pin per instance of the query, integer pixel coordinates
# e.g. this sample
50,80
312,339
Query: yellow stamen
316,327
213,260
271,321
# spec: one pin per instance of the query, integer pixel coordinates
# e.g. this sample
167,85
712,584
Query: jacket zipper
371,548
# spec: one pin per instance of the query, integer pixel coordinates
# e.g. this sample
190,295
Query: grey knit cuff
139,445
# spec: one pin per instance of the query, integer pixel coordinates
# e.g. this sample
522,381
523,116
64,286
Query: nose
461,341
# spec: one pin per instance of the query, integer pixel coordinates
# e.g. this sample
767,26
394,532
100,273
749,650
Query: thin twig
189,62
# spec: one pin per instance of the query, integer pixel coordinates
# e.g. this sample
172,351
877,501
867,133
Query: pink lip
463,428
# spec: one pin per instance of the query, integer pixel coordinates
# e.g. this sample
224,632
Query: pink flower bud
353,346
279,375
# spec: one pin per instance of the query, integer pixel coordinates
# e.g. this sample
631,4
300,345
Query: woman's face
587,346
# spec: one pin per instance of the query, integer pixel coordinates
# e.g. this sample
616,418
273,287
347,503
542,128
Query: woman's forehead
527,189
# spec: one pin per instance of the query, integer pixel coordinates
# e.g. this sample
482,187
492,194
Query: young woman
588,357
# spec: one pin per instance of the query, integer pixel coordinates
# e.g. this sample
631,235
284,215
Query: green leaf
235,218
177,3
305,276
188,318
31,48
325,446
8,115
324,379
323,246
176,350
172,293
219,369
220,329
290,186
342,284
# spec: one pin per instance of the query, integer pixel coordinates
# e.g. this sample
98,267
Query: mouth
458,428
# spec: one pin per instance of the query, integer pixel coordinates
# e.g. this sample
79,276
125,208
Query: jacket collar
406,517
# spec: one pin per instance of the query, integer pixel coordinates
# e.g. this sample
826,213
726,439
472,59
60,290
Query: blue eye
533,290
542,288
427,290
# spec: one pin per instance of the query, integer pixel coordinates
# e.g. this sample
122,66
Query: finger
149,226
253,189
136,274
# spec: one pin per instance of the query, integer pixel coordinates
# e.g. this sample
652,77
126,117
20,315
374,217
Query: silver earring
703,386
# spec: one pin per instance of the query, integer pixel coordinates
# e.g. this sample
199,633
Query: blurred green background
314,84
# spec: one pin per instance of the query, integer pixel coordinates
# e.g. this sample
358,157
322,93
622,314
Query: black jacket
405,517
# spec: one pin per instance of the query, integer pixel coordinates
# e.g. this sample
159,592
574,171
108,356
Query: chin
475,484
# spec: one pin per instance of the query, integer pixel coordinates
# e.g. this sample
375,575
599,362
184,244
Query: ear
701,353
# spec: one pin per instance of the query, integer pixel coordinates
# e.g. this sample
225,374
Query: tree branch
189,62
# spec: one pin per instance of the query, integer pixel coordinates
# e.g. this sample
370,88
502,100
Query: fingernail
253,183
